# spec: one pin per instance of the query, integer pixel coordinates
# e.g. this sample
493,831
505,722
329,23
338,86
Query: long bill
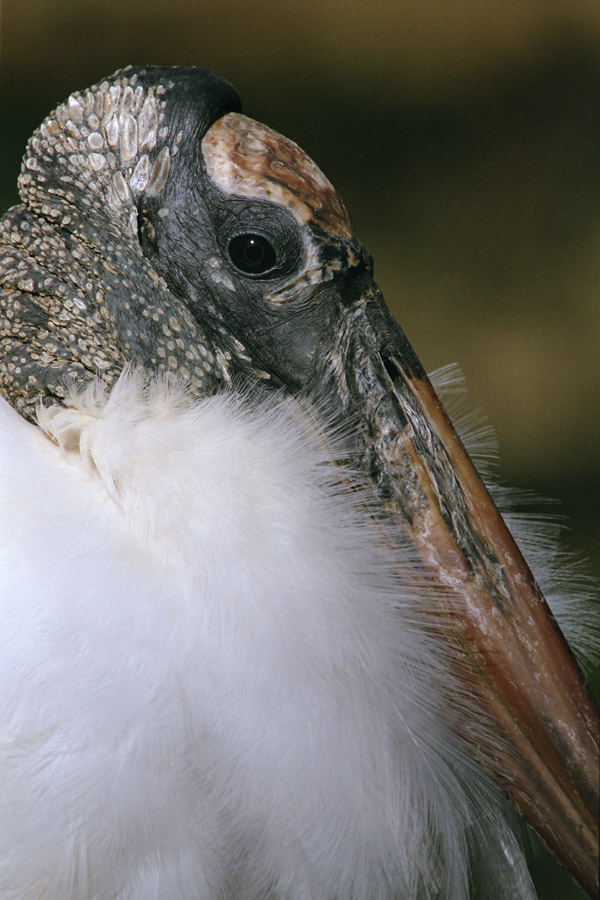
342,346
513,656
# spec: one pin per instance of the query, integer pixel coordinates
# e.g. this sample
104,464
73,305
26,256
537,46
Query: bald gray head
162,227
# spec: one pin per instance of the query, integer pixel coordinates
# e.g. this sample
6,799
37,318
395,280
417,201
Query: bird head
160,226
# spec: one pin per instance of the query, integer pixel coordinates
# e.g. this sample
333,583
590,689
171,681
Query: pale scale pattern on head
75,240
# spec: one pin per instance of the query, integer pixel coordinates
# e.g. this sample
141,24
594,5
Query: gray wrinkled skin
77,297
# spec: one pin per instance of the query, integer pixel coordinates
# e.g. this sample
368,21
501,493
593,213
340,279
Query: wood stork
263,632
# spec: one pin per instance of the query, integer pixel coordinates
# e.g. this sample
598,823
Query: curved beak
543,749
342,344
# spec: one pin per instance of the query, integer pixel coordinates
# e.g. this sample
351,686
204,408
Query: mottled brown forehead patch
247,159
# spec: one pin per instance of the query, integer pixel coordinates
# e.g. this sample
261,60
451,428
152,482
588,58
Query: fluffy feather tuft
217,683
570,591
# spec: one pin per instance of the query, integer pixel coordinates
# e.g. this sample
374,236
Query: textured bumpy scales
83,173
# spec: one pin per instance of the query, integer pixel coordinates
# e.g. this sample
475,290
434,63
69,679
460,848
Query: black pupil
252,254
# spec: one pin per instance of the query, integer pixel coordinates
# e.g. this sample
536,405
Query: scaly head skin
160,226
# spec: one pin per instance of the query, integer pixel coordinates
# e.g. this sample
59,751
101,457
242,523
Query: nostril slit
390,367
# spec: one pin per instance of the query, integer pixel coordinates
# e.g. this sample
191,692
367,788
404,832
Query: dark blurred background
464,136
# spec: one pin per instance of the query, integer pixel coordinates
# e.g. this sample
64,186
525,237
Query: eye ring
252,254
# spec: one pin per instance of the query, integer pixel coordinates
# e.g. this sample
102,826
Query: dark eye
252,254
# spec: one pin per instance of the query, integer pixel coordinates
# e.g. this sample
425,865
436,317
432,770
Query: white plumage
213,678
